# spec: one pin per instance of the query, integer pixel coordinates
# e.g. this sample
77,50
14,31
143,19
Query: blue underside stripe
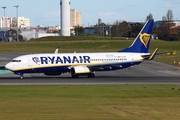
66,68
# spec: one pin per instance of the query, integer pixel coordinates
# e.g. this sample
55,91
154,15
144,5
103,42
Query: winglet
56,51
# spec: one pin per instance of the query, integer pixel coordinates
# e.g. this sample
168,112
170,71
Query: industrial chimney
65,17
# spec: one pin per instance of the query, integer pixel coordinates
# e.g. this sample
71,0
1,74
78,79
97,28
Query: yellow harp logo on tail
145,38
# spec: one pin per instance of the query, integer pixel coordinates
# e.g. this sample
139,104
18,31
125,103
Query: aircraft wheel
91,75
75,76
22,77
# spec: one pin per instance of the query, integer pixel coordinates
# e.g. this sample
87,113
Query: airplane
78,64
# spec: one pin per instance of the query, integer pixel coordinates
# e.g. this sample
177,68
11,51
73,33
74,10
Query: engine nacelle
80,70
52,73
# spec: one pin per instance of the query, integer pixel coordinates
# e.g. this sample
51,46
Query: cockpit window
16,61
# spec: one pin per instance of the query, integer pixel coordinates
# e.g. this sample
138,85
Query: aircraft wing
104,66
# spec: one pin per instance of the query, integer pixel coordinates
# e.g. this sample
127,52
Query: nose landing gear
21,75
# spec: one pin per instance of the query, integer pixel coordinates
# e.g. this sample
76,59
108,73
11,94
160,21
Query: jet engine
79,70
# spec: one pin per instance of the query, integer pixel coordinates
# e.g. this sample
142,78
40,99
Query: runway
149,72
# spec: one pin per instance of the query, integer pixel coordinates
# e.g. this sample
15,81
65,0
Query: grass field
87,102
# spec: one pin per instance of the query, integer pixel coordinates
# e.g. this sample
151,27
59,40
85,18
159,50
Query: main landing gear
91,75
21,77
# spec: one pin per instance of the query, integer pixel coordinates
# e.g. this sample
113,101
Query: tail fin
142,41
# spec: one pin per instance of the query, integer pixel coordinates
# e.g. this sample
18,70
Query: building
4,35
5,22
78,19
162,23
103,30
167,30
75,18
177,22
174,30
23,22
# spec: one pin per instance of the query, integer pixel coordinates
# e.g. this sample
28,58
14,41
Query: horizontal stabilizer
150,57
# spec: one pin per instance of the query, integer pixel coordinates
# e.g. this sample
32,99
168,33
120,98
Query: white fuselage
45,61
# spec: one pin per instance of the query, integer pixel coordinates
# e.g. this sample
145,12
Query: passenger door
30,62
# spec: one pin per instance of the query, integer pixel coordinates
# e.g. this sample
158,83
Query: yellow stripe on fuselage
58,65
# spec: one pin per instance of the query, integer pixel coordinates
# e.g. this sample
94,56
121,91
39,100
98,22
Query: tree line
128,29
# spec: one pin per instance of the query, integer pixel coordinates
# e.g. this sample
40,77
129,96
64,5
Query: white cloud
168,5
112,15
108,14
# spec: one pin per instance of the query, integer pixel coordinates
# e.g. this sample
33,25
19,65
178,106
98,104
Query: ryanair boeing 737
78,64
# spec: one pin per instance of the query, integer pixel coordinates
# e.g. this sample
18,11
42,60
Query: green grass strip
87,102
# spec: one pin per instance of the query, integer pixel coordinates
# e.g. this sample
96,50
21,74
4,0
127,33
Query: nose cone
9,66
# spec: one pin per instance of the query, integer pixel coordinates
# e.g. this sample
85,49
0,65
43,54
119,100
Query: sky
47,12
